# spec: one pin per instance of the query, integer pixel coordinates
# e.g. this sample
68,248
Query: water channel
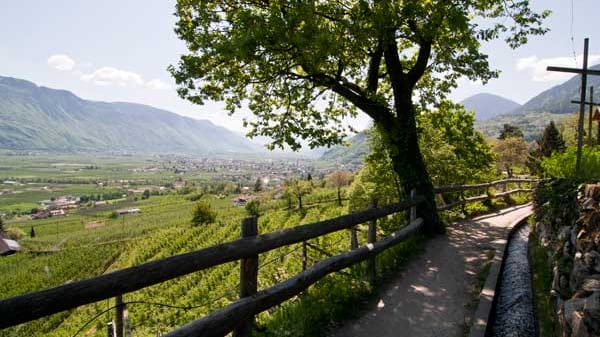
514,314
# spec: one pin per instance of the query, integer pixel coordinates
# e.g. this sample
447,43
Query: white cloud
113,76
61,62
537,66
157,84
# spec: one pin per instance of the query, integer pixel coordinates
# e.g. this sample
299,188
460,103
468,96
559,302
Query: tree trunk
339,197
401,133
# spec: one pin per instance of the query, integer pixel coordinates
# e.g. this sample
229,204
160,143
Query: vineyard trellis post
304,255
372,238
248,276
119,316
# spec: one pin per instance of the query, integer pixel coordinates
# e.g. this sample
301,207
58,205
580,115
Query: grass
542,283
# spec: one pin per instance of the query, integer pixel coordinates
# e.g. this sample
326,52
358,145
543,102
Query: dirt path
429,297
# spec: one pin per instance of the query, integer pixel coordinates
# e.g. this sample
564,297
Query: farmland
91,240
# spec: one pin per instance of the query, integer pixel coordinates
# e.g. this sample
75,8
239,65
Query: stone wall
568,225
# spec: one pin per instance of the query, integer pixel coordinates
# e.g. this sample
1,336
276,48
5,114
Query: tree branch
373,74
420,66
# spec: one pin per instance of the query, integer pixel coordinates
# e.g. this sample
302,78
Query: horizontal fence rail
487,196
459,188
31,306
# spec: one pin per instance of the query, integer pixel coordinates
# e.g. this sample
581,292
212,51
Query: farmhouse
8,246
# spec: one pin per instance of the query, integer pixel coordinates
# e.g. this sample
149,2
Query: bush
113,215
195,197
14,233
562,164
203,214
253,208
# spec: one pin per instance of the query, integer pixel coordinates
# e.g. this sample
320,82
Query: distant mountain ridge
351,154
558,98
488,106
39,118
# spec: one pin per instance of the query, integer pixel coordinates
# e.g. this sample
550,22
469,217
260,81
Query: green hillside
352,153
39,118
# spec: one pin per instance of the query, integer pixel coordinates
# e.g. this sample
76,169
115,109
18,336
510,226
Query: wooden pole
119,316
126,324
248,276
581,108
413,209
590,139
372,238
353,238
304,255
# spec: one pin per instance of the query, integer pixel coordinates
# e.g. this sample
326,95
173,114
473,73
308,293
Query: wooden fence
503,191
239,316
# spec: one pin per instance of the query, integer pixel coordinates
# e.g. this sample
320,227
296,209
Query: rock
555,279
571,306
592,305
564,232
564,282
588,204
591,284
578,327
578,274
574,231
592,191
592,260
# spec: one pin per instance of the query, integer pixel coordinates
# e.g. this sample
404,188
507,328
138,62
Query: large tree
280,58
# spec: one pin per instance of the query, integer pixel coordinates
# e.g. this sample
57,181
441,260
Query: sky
117,50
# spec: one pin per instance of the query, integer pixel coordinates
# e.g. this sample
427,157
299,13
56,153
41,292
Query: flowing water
514,314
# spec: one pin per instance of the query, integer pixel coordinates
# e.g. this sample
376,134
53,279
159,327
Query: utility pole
584,72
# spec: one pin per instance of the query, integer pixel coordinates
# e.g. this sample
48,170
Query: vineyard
63,251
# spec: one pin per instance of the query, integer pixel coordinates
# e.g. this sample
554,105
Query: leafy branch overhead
303,66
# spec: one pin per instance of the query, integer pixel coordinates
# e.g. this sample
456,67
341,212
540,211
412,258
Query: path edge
482,317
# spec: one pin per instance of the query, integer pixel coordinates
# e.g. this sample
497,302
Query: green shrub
562,164
14,233
203,214
253,208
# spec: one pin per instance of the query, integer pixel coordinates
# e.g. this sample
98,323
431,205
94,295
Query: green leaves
302,67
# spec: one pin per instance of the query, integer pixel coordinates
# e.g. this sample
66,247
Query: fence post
304,255
110,329
464,204
372,238
119,318
353,238
413,209
126,325
248,276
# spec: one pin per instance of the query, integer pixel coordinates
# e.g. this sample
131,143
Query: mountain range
488,106
38,118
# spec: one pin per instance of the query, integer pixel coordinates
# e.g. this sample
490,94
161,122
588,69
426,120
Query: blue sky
119,50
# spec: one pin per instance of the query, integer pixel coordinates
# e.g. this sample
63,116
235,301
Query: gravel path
429,297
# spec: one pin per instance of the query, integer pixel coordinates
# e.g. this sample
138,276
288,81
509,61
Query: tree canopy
302,67
551,140
509,131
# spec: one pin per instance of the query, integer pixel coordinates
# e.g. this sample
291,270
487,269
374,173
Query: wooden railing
504,192
238,316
